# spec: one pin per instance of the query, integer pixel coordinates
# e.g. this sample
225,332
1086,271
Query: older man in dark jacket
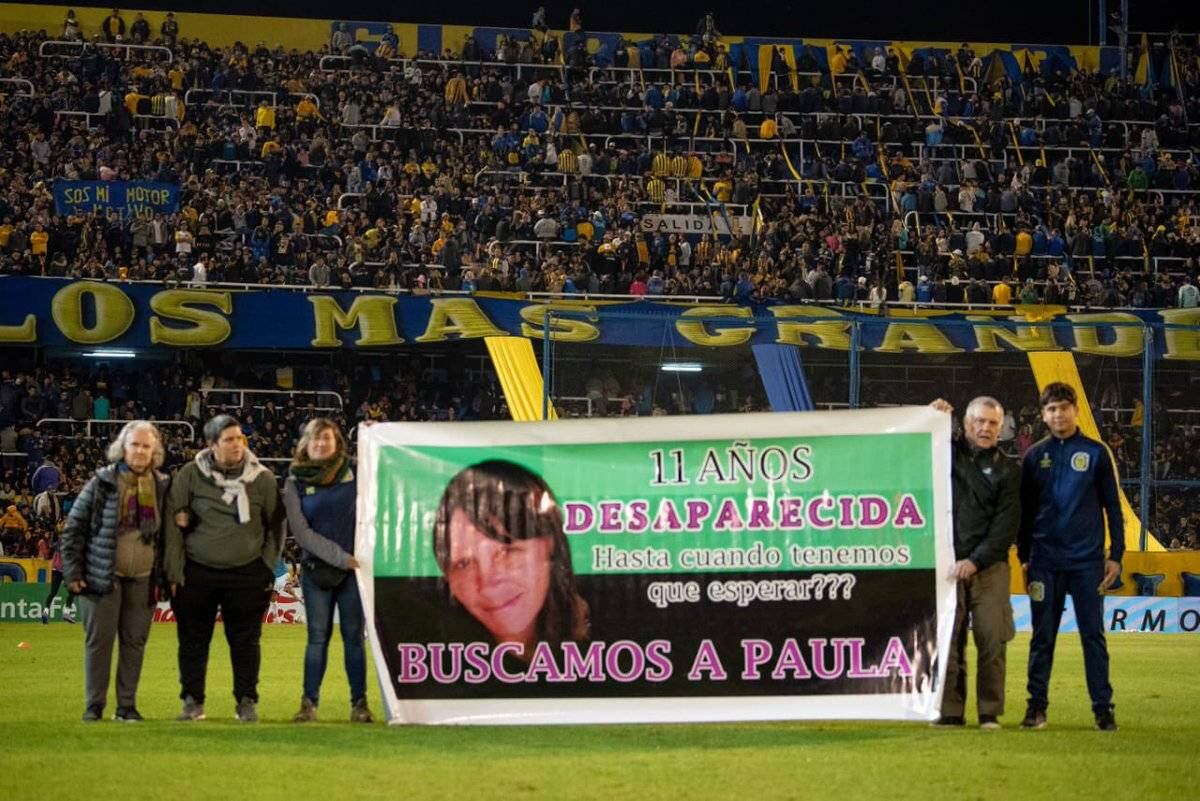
987,514
112,556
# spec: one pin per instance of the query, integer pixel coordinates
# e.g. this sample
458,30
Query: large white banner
725,567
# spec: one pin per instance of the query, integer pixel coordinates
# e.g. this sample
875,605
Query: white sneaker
69,617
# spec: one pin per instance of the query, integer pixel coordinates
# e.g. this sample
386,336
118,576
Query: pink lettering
791,513
667,518
543,664
580,517
610,517
612,661
895,657
760,514
908,515
412,663
728,518
755,653
707,661
814,506
873,511
697,512
658,655
817,648
576,665
790,660
440,674
498,654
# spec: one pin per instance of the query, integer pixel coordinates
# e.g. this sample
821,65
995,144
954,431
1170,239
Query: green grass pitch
47,753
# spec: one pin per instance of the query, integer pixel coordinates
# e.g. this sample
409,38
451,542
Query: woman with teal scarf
319,496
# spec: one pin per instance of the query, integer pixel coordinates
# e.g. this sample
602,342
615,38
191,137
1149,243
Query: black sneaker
1035,718
93,714
1106,721
128,714
949,720
989,722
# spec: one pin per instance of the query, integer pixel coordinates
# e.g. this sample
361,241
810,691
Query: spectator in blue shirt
739,102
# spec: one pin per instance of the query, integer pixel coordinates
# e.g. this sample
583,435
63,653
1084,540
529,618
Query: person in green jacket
224,534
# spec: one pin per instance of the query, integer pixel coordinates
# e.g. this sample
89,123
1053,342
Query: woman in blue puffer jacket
112,555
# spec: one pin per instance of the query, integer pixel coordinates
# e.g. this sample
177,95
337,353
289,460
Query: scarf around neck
320,472
138,501
233,489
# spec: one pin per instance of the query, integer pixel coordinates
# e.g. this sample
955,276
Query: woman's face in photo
503,585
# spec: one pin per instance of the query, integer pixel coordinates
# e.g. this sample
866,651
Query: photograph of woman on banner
499,542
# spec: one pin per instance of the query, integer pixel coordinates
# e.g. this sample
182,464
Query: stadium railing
28,91
88,423
242,392
62,48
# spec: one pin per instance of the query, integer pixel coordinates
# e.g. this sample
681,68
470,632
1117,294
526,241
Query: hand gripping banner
725,567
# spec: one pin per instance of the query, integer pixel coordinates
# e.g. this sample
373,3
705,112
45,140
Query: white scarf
233,489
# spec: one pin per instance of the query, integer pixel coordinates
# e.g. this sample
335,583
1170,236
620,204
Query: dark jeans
243,595
318,610
1052,587
55,584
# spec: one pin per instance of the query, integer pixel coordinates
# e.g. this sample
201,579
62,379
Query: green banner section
22,602
765,504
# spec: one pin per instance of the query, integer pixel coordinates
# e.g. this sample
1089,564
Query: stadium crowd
540,166
43,467
515,170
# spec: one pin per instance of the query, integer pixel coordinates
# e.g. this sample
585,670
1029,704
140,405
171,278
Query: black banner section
726,634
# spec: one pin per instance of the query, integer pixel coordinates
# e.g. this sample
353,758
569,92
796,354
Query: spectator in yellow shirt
264,116
38,241
306,109
1002,294
131,100
1024,243
837,62
723,190
656,190
660,165
456,90
567,162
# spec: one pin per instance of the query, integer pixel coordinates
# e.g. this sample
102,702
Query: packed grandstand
876,177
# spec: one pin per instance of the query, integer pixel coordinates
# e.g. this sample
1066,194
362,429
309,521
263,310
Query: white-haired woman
112,556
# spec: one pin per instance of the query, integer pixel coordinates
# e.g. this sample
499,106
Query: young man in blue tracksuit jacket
1068,489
